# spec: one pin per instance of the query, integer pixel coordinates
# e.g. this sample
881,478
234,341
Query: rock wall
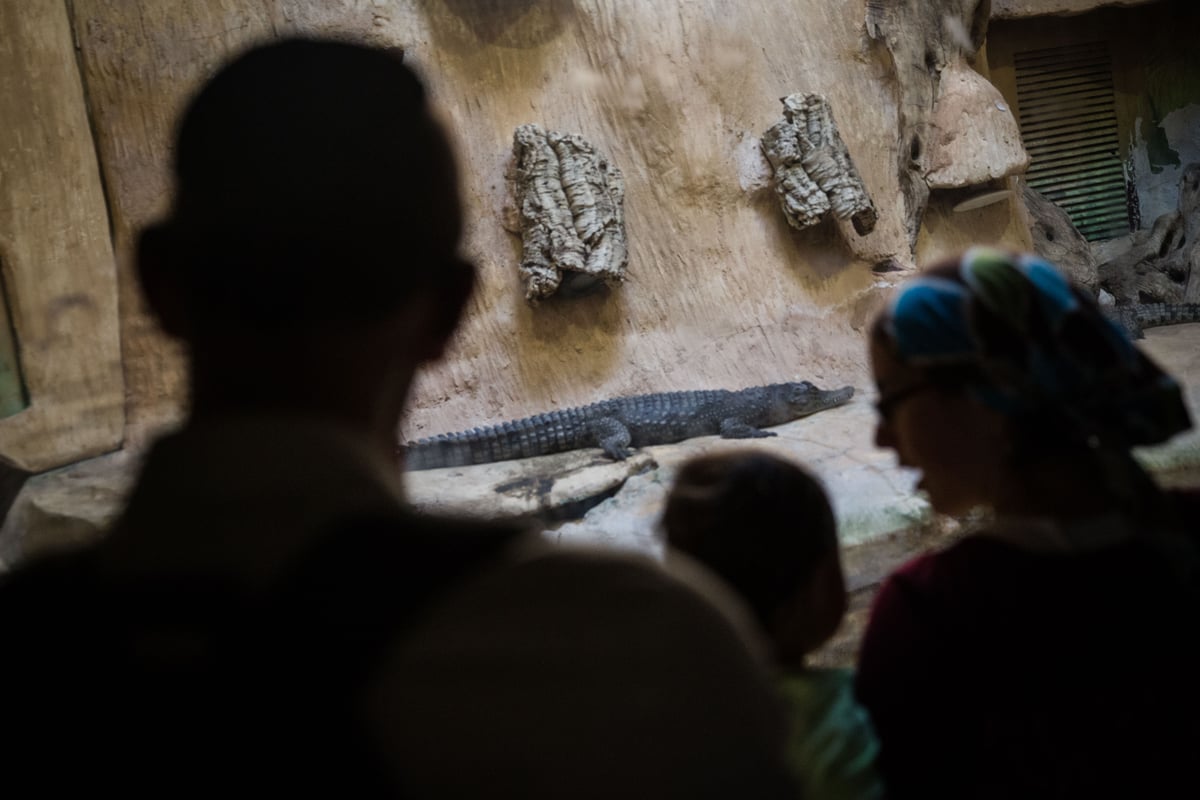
1014,9
720,291
58,274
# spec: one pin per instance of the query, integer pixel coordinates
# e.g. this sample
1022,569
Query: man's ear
160,281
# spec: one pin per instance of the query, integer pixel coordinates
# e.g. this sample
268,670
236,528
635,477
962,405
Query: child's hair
760,522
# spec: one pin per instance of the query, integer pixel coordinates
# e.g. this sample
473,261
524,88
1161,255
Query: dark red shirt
994,672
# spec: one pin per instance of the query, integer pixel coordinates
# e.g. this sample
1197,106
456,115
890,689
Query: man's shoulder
555,653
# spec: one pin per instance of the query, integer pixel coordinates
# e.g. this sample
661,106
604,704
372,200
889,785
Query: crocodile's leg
733,428
612,436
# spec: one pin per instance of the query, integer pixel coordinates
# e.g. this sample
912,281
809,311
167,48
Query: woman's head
766,527
993,359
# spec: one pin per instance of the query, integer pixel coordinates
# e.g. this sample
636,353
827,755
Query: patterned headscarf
1035,346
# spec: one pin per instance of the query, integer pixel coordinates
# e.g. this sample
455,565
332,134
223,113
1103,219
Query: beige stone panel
1013,9
55,248
974,137
140,62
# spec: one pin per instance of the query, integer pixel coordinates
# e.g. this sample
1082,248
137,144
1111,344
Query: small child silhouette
765,526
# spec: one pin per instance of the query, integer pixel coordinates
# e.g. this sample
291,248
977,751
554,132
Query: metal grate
1069,124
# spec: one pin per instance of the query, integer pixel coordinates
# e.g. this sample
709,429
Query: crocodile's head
795,400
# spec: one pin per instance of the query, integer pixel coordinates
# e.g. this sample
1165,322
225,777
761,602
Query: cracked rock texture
569,199
1014,9
919,38
814,174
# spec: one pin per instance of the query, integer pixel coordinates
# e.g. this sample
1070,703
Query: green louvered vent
1069,125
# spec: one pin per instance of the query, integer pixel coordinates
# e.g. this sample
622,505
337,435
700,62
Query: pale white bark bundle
570,202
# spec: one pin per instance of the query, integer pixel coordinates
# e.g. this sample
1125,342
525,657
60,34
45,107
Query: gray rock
66,507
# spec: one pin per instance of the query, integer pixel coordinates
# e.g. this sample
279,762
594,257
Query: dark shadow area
814,254
11,481
13,395
517,24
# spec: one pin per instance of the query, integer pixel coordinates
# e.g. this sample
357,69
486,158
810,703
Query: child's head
766,527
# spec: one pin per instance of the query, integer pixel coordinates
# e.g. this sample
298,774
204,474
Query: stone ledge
66,507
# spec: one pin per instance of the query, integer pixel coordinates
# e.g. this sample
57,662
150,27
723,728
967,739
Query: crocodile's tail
1153,315
539,435
1136,318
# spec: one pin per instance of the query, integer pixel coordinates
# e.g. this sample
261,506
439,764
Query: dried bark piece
570,201
814,174
803,202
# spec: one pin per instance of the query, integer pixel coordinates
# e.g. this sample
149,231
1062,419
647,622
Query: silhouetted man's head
313,186
309,262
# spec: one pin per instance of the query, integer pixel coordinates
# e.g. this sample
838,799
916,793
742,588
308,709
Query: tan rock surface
974,138
721,293
948,232
57,260
1177,349
1012,9
140,62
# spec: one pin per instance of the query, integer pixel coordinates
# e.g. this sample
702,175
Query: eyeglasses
887,403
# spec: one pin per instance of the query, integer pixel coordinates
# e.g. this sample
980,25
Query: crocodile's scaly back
541,434
1137,317
637,421
669,417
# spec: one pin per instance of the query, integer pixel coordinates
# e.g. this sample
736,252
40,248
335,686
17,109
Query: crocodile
621,423
1139,316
